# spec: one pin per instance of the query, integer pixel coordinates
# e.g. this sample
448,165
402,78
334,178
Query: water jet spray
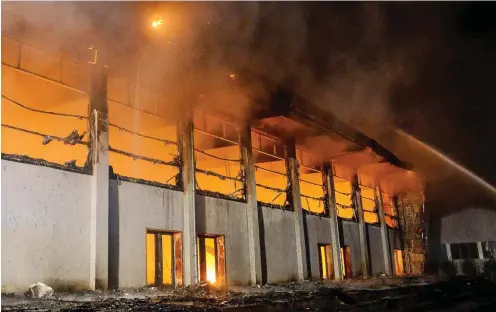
450,161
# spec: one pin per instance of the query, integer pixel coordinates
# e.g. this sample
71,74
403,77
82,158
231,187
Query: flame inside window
210,259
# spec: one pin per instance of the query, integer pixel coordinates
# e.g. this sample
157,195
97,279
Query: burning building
108,185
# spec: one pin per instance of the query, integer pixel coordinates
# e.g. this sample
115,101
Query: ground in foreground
376,294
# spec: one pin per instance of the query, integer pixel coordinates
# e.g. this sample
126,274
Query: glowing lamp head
157,24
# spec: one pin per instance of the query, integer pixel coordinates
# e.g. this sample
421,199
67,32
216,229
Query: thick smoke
373,65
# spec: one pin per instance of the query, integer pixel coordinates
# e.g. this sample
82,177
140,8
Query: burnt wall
279,252
318,232
349,237
468,225
45,227
375,250
134,208
394,243
225,217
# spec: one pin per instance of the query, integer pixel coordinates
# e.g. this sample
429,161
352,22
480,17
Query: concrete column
251,201
448,252
479,250
362,233
297,210
99,204
333,220
386,252
190,263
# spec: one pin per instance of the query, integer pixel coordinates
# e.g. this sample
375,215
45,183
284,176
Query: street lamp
157,23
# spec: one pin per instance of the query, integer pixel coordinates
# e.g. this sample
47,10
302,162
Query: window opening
346,261
489,250
143,146
343,191
211,259
312,186
325,262
464,251
390,210
369,206
49,124
219,170
271,172
398,262
163,258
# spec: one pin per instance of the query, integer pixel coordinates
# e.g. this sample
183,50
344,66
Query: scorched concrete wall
45,227
349,237
228,218
134,208
318,232
468,226
278,238
394,243
375,250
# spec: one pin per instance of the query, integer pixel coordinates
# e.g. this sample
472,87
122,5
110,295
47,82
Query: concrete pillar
362,233
251,201
333,220
480,252
448,252
99,204
292,164
386,251
190,263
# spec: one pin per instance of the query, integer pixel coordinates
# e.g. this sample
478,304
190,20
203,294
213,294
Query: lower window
163,258
325,261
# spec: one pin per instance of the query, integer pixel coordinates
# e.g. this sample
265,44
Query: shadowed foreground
416,294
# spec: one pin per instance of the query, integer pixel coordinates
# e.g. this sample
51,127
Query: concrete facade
134,208
280,249
228,218
375,250
45,227
468,225
350,237
395,242
318,232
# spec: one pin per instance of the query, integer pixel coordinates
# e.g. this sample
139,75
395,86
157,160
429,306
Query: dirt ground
375,294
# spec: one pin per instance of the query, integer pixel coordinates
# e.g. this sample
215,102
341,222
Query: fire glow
157,24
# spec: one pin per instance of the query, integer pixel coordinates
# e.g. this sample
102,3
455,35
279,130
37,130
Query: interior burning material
271,172
219,170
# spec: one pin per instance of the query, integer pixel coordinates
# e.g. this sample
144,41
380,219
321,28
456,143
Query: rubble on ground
39,290
376,293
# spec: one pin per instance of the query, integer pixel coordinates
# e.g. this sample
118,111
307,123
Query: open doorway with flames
212,259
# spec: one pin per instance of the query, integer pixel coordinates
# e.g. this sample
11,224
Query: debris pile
39,290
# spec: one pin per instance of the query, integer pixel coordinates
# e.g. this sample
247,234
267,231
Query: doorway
398,262
346,262
211,259
325,262
163,258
